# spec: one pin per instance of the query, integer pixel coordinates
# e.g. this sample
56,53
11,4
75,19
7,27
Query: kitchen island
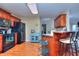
53,42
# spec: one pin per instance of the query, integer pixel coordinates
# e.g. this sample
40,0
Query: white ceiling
45,9
18,9
51,10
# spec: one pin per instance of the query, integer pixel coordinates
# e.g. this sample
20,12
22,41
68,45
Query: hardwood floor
24,49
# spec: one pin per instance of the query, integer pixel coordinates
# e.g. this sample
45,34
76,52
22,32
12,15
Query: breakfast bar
53,42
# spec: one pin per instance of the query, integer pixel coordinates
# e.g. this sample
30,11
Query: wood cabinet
1,42
16,37
60,21
13,20
52,45
7,16
4,14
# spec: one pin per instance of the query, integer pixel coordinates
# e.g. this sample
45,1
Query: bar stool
43,48
69,44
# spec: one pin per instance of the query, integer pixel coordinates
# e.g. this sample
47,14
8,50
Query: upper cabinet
13,20
7,18
4,14
60,21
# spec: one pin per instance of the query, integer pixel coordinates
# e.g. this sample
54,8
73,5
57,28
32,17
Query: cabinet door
8,16
60,21
16,37
57,23
12,21
4,15
1,43
63,21
0,14
53,46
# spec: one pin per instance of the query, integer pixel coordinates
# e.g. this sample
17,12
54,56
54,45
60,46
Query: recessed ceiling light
33,8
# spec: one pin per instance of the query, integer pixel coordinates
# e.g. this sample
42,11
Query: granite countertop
47,34
51,34
61,31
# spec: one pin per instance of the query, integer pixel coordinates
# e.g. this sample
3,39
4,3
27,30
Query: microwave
5,23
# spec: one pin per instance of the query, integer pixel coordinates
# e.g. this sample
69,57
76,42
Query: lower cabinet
1,42
53,45
15,38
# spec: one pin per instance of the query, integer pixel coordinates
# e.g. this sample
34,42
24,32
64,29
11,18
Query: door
43,28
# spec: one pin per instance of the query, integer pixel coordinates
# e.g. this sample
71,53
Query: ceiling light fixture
33,8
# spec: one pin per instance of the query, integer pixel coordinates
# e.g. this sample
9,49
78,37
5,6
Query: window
74,27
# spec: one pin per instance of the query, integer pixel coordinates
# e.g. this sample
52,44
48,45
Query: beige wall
31,23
